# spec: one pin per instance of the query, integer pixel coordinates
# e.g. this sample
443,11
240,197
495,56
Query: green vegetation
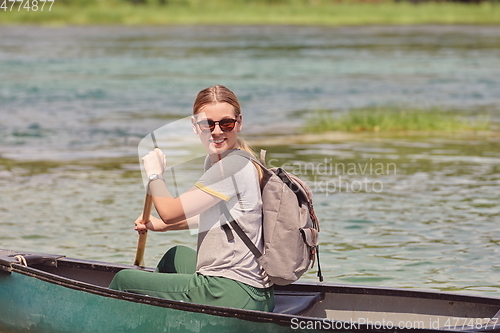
391,119
39,166
298,12
29,167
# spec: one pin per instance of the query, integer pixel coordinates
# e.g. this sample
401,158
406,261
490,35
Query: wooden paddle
146,212
141,244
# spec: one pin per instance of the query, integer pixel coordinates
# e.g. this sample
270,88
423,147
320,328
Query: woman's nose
217,129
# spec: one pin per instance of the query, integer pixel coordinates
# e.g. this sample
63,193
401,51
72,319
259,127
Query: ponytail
246,147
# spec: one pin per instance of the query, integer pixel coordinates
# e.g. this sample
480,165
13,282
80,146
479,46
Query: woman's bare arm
187,205
156,224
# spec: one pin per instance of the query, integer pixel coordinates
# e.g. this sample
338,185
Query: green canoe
52,293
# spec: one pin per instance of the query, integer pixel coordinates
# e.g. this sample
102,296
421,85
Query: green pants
175,278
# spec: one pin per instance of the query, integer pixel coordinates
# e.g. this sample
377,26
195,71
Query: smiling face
218,141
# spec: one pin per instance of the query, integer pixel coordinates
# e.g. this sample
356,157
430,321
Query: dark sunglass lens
227,125
207,125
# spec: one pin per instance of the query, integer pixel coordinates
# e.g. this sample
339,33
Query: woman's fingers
162,159
154,162
140,227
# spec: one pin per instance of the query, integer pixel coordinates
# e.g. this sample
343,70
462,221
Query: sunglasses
208,125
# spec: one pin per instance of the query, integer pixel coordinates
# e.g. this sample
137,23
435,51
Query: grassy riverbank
391,120
295,12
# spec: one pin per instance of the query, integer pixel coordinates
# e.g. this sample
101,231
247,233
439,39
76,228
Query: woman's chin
217,149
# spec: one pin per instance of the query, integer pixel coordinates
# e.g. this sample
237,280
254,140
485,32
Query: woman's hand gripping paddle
141,244
148,203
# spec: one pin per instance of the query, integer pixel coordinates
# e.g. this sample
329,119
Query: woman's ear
239,123
194,125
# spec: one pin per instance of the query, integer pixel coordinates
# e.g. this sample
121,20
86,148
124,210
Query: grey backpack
290,226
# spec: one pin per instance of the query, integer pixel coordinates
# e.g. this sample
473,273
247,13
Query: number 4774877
33,5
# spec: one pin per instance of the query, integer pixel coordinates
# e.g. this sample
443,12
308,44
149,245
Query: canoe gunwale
9,258
384,291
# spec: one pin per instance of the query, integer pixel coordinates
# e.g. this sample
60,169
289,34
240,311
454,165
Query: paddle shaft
141,243
146,212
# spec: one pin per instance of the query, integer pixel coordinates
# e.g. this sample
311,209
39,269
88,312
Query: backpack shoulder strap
236,227
230,220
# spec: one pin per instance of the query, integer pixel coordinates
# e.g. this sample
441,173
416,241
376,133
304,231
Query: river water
399,211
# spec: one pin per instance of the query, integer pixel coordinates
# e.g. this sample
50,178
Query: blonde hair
221,94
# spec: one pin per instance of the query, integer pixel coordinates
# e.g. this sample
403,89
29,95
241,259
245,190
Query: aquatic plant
393,119
289,12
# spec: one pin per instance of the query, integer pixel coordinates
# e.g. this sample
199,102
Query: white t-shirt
234,179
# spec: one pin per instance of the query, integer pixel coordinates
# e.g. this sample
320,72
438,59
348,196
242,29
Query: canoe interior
405,308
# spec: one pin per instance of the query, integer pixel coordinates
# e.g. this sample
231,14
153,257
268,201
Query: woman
223,271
